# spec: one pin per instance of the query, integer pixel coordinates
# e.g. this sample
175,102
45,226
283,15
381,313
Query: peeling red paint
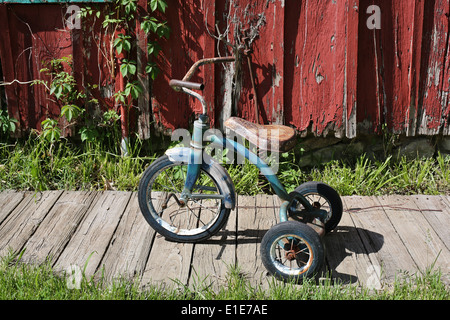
318,67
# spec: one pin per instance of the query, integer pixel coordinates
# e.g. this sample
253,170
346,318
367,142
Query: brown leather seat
275,138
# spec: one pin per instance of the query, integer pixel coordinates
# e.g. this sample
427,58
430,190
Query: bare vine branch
15,81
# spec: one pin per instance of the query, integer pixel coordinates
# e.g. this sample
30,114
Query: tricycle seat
275,138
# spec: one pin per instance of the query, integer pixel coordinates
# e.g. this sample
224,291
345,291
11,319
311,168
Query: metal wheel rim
309,196
282,264
168,226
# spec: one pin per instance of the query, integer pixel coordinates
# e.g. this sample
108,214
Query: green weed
40,164
20,281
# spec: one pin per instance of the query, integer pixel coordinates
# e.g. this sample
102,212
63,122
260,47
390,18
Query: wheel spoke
195,215
293,254
202,206
168,176
184,219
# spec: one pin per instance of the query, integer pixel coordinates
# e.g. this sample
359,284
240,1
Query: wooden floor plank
213,258
19,226
384,246
437,212
168,261
130,245
256,215
56,229
9,200
90,241
420,239
396,233
347,258
447,201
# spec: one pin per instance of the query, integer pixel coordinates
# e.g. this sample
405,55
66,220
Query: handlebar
185,85
202,62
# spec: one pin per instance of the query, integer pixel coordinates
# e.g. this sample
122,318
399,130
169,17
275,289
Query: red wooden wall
318,66
25,42
32,35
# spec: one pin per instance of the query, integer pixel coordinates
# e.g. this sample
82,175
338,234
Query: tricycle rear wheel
292,251
323,197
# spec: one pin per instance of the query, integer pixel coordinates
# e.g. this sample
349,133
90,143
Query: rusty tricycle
187,195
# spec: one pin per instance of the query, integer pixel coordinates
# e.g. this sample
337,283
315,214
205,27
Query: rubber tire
154,168
328,193
308,235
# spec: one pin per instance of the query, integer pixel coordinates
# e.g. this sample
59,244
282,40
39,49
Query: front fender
210,165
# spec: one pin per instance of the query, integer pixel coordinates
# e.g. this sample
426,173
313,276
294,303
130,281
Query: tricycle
187,196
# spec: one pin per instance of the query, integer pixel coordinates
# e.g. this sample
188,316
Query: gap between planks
395,233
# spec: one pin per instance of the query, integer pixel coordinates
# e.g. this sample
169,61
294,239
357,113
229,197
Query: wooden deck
104,232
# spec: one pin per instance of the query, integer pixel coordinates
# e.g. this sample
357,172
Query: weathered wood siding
34,34
318,66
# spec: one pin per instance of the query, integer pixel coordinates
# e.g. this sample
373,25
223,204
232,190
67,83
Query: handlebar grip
186,84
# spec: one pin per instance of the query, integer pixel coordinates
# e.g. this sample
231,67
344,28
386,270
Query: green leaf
50,130
12,125
160,5
122,43
150,24
88,134
70,111
152,70
153,48
119,96
133,89
132,68
153,5
128,67
119,48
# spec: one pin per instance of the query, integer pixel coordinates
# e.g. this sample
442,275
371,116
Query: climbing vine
123,16
119,20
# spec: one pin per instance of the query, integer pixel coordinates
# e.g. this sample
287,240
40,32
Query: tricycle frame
291,249
196,159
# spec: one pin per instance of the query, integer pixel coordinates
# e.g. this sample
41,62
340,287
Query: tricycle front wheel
159,192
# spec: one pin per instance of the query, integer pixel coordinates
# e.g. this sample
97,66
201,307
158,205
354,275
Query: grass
19,281
35,164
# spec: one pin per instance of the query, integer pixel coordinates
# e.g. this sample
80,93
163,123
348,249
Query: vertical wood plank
276,111
144,113
256,215
421,241
90,241
415,69
348,9
437,212
129,248
432,118
55,231
25,219
213,258
346,256
169,263
377,234
7,60
8,201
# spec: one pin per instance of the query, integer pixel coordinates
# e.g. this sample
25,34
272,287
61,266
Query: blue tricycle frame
293,248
